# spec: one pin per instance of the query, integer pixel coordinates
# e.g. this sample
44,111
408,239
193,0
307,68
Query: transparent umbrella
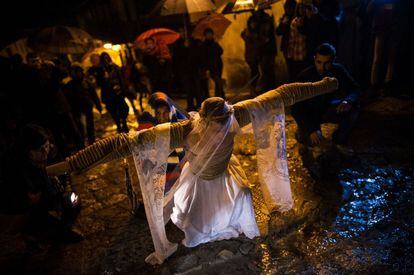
171,7
237,6
60,40
240,6
191,9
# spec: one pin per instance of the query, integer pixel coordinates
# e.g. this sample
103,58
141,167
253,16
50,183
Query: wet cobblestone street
357,218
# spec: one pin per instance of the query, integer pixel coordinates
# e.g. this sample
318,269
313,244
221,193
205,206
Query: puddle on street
372,231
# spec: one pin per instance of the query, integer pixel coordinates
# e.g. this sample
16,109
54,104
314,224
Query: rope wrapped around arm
178,132
102,151
288,93
296,92
117,147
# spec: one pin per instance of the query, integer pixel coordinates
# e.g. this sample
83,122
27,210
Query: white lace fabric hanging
268,123
151,163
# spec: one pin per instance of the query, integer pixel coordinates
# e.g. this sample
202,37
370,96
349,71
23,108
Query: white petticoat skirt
211,210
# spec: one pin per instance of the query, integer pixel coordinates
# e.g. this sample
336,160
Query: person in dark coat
253,42
31,195
317,29
95,72
140,81
82,97
387,17
341,106
283,29
157,59
186,61
260,51
268,51
212,64
113,92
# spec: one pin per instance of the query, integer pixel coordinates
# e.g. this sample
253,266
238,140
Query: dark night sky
20,18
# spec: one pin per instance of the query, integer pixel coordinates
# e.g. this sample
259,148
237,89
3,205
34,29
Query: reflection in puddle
371,231
265,259
370,198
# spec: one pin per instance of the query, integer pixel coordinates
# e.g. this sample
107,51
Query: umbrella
115,56
217,22
166,35
191,9
60,40
171,7
17,47
238,6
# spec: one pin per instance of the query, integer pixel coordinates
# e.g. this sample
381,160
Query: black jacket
186,60
211,53
310,112
112,87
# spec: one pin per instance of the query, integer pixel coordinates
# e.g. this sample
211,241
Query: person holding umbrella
268,49
253,47
157,58
187,68
211,63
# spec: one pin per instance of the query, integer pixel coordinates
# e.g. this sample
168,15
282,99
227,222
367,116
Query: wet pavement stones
358,218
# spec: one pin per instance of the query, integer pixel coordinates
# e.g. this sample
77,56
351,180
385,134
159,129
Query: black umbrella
60,40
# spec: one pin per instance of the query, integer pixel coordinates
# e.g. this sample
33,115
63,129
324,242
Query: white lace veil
209,145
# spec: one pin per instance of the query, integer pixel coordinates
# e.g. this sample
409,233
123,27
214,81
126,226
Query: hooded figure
211,200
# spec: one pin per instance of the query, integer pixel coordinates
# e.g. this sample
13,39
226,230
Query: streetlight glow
107,46
116,47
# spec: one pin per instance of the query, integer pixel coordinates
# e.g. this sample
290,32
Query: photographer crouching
43,206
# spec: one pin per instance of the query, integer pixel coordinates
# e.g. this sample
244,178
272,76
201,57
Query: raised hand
332,83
